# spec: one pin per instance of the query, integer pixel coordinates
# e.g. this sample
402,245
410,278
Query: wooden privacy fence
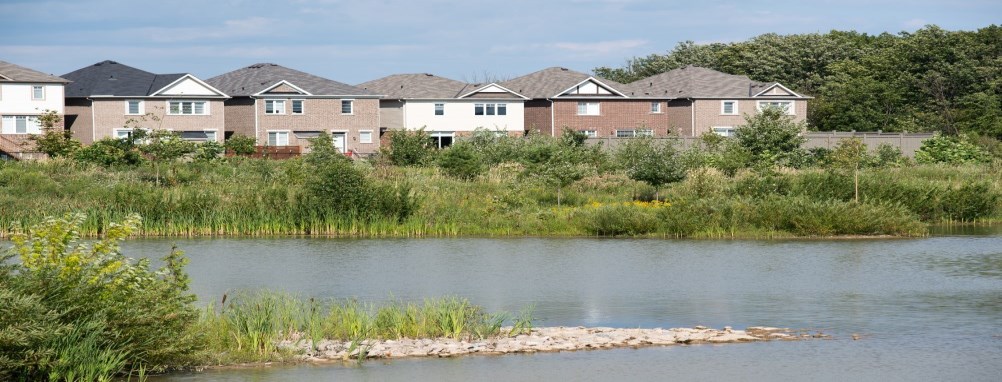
907,142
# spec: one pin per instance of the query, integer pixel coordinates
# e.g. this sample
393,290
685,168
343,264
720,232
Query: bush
637,218
409,148
240,144
110,152
209,151
88,312
951,150
338,190
655,162
461,162
771,137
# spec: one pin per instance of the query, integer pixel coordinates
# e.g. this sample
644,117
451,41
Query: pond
925,309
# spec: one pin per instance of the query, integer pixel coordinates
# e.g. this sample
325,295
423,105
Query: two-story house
110,100
280,106
701,100
24,95
446,108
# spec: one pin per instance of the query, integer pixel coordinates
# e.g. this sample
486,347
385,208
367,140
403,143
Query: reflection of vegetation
981,265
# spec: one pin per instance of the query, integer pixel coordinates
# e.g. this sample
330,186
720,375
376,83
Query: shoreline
539,340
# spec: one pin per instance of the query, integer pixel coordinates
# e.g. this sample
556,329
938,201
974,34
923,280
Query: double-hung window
365,136
590,133
439,109
274,106
588,108
278,138
347,106
186,108
626,133
644,132
37,92
133,107
786,106
723,131
490,109
297,106
502,109
21,124
728,107
655,107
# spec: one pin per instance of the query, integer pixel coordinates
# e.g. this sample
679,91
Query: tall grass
249,326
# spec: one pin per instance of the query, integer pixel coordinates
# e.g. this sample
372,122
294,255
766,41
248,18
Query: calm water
928,309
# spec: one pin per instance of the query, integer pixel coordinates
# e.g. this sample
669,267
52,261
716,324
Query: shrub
240,144
655,162
90,312
770,137
54,141
110,152
943,149
409,148
462,162
208,151
338,190
637,218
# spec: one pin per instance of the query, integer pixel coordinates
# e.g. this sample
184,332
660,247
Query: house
699,100
24,95
109,100
280,106
560,98
446,108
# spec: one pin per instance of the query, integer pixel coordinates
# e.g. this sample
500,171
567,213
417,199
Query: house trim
781,87
200,82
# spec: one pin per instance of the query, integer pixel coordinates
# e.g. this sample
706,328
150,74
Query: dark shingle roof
695,82
109,78
551,81
17,73
418,86
258,77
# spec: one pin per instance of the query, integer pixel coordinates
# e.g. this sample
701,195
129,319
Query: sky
360,40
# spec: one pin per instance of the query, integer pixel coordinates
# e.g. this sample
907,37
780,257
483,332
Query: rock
700,327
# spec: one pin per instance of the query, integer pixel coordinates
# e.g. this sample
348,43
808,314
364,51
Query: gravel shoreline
544,339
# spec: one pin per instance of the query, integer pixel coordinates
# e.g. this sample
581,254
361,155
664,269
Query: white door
340,141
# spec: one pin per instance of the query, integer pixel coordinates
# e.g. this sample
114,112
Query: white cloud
596,48
915,23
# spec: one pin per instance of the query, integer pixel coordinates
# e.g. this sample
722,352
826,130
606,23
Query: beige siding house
110,100
280,106
24,95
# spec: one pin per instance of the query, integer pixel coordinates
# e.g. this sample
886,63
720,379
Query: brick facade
624,114
707,113
109,114
537,116
323,114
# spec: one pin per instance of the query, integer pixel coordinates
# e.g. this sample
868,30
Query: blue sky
359,40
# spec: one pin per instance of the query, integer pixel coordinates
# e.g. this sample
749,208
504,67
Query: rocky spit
546,339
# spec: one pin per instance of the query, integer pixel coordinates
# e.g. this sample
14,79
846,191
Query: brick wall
615,115
110,115
324,114
537,116
708,113
240,116
78,119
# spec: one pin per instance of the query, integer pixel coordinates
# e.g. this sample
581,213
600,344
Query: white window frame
789,111
438,135
438,109
277,106
588,109
351,106
215,135
302,107
31,124
180,108
501,109
41,88
643,132
141,107
365,136
723,131
278,133
490,109
734,110
590,133
655,107
632,133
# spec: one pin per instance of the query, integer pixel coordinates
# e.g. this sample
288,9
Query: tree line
932,80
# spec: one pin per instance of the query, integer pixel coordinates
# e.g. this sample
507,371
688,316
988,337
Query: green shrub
110,152
632,219
90,312
240,144
461,161
952,150
208,151
771,137
655,162
409,148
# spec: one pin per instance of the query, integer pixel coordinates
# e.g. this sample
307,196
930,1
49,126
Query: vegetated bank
758,184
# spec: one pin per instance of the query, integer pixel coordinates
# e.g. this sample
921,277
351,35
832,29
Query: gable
777,90
492,90
590,88
188,86
284,88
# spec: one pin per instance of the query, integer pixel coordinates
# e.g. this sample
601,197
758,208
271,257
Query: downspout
257,135
692,116
93,127
553,124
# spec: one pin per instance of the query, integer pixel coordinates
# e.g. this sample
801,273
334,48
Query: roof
257,78
695,82
16,73
417,86
552,81
109,78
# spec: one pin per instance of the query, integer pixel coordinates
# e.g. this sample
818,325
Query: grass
250,197
248,327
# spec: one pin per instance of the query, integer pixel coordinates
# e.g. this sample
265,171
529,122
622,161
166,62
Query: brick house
701,100
24,95
446,108
110,100
280,106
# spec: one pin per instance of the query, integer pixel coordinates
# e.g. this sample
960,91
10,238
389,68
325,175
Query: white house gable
590,87
777,90
284,88
189,86
492,91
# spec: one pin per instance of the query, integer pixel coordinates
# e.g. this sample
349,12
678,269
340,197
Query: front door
340,141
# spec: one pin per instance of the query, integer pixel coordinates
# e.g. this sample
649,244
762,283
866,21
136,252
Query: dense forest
929,80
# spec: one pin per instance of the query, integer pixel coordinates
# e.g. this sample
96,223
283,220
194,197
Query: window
123,133
439,109
38,92
297,106
590,133
785,105
21,124
365,136
644,133
199,136
729,107
186,108
478,109
274,106
490,109
502,109
442,139
655,107
133,106
626,133
588,108
346,106
278,138
723,131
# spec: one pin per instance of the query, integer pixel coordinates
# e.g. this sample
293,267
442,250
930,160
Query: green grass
250,197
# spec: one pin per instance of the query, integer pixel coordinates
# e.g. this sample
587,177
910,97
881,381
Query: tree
653,161
770,137
409,147
54,141
162,147
850,155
